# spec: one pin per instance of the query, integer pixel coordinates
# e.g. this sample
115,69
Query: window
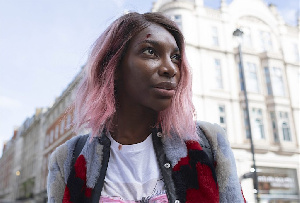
284,118
286,132
51,137
218,74
222,116
251,77
277,82
283,115
62,126
274,127
268,81
266,41
56,131
215,36
178,20
274,81
258,127
69,118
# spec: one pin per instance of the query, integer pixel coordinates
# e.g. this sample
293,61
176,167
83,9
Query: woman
144,145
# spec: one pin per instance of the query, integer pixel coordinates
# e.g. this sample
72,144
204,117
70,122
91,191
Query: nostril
169,73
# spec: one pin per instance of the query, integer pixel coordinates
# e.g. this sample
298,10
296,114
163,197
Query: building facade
57,128
29,159
24,163
6,167
20,163
270,52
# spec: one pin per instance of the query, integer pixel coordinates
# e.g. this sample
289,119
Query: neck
132,126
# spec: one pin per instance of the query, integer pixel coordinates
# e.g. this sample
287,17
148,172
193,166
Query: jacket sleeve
229,186
55,182
59,170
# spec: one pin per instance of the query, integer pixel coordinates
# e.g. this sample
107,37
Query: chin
161,106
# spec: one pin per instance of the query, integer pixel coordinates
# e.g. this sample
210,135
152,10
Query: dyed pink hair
95,104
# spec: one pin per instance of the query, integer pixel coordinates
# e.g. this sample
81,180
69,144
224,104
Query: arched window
259,129
286,132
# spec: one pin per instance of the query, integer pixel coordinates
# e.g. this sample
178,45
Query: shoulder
61,157
217,138
211,129
64,148
215,134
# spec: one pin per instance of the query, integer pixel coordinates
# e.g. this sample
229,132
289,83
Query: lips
166,85
165,89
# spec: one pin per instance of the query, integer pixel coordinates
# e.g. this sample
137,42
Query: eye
149,51
176,58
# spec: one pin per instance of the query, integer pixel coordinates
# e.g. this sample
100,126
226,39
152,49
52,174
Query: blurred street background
44,46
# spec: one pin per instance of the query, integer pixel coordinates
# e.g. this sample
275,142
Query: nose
168,68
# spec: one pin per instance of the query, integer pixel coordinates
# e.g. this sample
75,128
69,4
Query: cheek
142,69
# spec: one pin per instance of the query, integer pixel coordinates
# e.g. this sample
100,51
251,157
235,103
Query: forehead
155,32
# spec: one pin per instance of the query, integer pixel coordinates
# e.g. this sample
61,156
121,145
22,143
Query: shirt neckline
132,147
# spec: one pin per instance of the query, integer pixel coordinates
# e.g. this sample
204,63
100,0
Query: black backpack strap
78,148
74,183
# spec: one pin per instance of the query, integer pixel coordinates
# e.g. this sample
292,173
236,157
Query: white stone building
30,158
21,162
7,177
270,50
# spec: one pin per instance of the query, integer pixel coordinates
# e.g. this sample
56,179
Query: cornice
65,93
270,55
263,149
210,48
176,4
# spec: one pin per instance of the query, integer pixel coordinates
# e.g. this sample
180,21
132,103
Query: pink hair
95,103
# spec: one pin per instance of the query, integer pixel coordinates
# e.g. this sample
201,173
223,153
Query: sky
44,44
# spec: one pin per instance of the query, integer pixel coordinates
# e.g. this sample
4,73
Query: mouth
165,89
166,85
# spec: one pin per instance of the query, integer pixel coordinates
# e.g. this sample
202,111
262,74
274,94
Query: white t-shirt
133,174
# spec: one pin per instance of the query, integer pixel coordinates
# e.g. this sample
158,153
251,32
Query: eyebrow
156,43
149,41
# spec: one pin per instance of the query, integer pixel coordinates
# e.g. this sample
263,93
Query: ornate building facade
270,52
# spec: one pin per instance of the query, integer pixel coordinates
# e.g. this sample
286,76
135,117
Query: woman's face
149,71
